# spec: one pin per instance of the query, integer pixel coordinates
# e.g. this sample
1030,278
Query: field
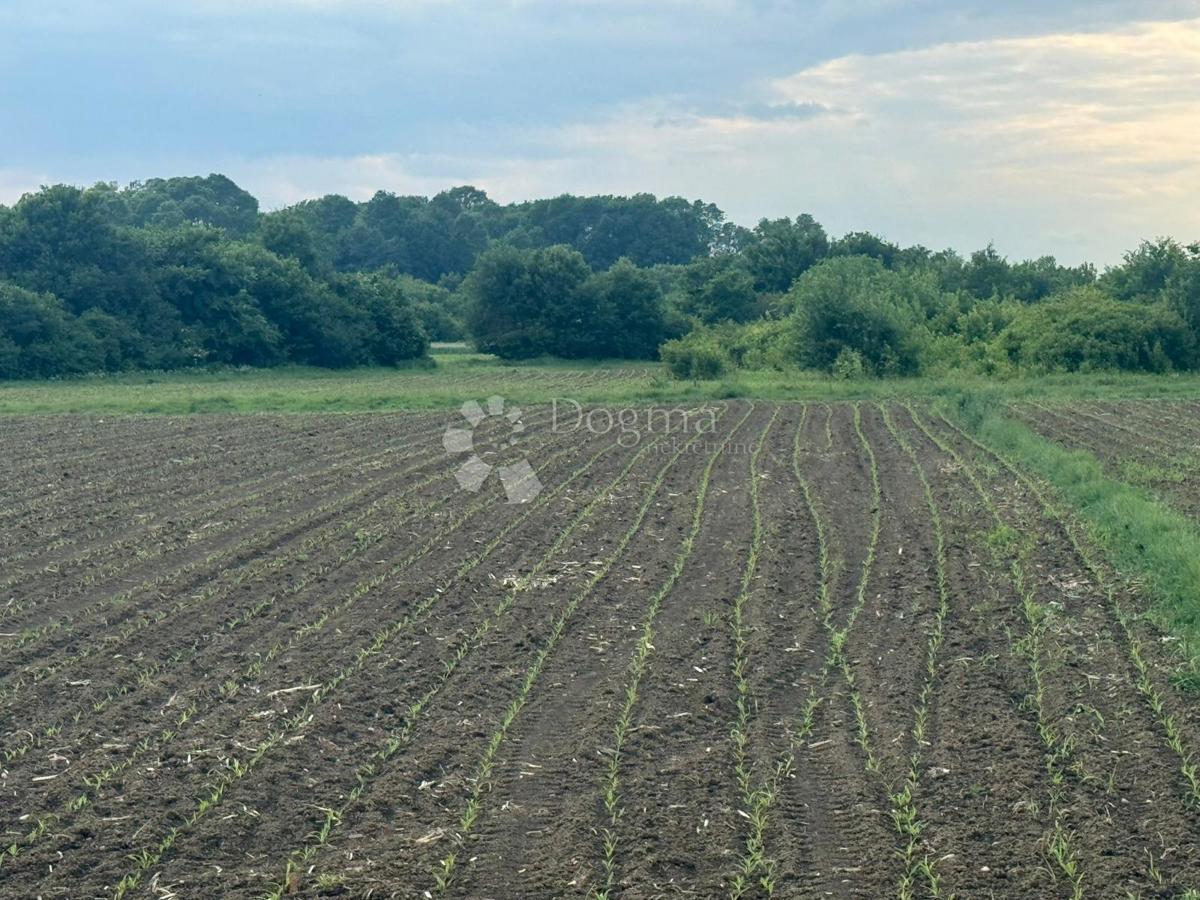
1153,445
818,649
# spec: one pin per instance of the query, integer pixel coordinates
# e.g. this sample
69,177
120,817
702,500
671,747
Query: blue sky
1056,126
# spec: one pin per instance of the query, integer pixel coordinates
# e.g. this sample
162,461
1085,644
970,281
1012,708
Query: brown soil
308,697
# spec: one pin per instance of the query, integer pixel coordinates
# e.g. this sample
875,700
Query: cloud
1080,141
1073,142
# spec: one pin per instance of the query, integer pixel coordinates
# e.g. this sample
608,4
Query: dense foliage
527,303
871,308
180,272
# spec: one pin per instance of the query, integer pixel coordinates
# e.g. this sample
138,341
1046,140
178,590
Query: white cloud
1077,143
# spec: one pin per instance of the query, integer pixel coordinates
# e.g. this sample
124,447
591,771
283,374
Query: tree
1147,271
39,338
642,228
465,198
1182,290
780,251
1033,280
718,289
214,200
987,275
289,235
854,303
863,243
518,297
393,334
439,309
615,314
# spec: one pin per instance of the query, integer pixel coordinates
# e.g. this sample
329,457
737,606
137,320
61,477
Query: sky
1063,127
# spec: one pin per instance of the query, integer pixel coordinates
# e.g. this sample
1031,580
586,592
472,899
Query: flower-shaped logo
520,482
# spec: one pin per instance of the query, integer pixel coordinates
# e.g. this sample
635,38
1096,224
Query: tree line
180,272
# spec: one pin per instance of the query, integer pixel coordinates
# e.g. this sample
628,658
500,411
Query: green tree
519,297
288,234
781,250
863,243
854,303
718,289
1182,289
393,334
39,338
614,314
987,274
1147,271
214,200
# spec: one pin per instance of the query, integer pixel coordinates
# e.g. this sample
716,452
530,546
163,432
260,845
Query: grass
457,375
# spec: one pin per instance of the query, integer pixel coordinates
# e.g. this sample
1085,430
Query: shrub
855,303
698,356
1085,330
849,364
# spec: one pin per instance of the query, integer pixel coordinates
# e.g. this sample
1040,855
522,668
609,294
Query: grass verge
453,375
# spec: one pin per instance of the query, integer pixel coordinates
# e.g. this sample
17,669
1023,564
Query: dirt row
827,650
1153,445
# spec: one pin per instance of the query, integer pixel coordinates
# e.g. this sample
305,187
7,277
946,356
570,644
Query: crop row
757,797
128,479
235,770
160,741
140,549
136,545
146,675
610,786
400,738
480,779
383,637
323,537
250,547
1126,621
904,813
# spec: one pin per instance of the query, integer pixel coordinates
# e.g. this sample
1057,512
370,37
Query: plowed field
818,651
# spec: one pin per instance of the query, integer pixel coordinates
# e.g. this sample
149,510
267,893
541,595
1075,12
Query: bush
757,345
849,364
698,356
1086,330
854,303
